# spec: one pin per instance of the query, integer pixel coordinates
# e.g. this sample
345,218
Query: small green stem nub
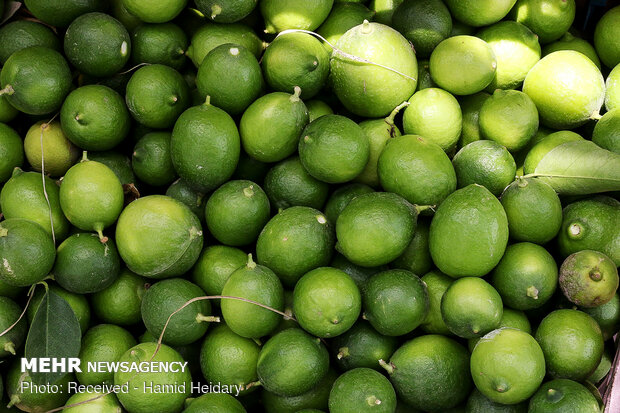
422,208
201,318
216,9
84,156
390,119
208,100
251,264
373,401
9,347
532,292
8,90
342,353
4,232
366,27
389,367
15,399
596,116
249,191
257,341
296,94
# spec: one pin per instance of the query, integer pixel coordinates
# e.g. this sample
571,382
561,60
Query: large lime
163,43
548,19
60,13
58,153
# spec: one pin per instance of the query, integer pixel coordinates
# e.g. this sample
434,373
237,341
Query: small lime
151,160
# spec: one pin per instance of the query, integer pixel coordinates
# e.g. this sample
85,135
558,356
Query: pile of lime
339,206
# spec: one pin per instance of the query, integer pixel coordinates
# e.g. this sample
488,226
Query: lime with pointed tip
362,390
362,346
570,42
315,398
470,107
15,337
20,34
588,278
317,108
209,36
479,13
214,401
563,394
36,80
548,19
606,133
567,89
226,11
341,197
342,17
59,152
424,23
60,13
283,15
155,11
181,191
215,265
163,43
120,302
104,402
151,160
612,85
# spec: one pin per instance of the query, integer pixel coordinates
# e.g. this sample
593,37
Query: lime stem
422,208
342,353
208,100
9,347
532,292
8,90
251,384
373,401
251,264
595,275
389,367
201,318
215,11
390,119
84,156
15,399
296,94
102,237
249,191
596,116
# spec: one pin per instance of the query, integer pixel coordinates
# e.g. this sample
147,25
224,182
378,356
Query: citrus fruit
295,241
577,360
384,10
507,365
163,43
104,402
516,49
119,12
424,23
360,275
479,403
341,197
460,249
58,153
27,251
296,59
317,108
474,58
205,146
544,146
282,15
566,87
479,13
607,316
603,368
588,278
9,291
334,149
97,44
91,196
430,372
486,163
120,302
61,13
416,169
362,346
435,115
533,209
209,36
151,160
424,75
21,34
35,80
158,11
14,338
326,302
343,16
7,111
231,75
157,95
548,19
304,356
193,199
606,132
220,401
520,156
470,107
471,307
436,285
138,399
570,42
416,257
271,126
362,390
118,163
366,89
77,302
95,118
605,36
226,12
612,94
158,237
215,265
22,392
315,398
563,395
288,184
395,302
375,228
510,318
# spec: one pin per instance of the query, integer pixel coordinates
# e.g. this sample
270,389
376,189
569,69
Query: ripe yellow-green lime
105,402
570,42
282,15
563,395
479,13
362,390
548,19
155,11
606,37
424,23
612,85
58,155
588,278
606,133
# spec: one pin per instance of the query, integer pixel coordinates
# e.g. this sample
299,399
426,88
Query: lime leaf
54,333
579,168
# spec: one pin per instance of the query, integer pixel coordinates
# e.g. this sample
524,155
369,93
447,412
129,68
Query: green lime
119,12
295,241
362,346
607,316
22,196
296,59
326,302
436,285
14,338
486,163
163,43
158,237
27,251
7,111
563,395
205,146
36,80
138,398
97,44
217,402
520,156
317,108
271,126
334,149
605,37
163,299
470,106
362,390
91,196
606,133
507,365
95,118
360,275
315,398
460,28
343,16
384,10
603,368
479,403
435,115
155,11
510,318
430,372
231,75
193,199
151,160
479,13
516,49
395,302
86,264
282,15
209,36
416,169
77,302
375,228
460,249
236,212
58,153
9,291
612,94
424,23
474,58
546,144
118,163
105,402
588,278
533,209
157,95
341,197
226,11
370,90
214,267
570,42
425,80
259,284
61,13
23,392
120,302
292,362
549,20
21,34
471,307
103,343
510,118
566,87
577,360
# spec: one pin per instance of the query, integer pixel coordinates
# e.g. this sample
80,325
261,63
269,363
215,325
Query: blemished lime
588,278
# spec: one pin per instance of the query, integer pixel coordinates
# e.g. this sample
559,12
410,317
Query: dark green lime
163,43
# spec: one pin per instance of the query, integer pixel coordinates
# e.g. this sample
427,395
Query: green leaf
579,168
54,333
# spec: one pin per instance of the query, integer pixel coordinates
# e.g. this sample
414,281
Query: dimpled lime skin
281,15
612,94
158,11
334,149
158,237
567,89
368,90
40,79
479,13
140,401
461,249
548,19
474,59
606,37
436,115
